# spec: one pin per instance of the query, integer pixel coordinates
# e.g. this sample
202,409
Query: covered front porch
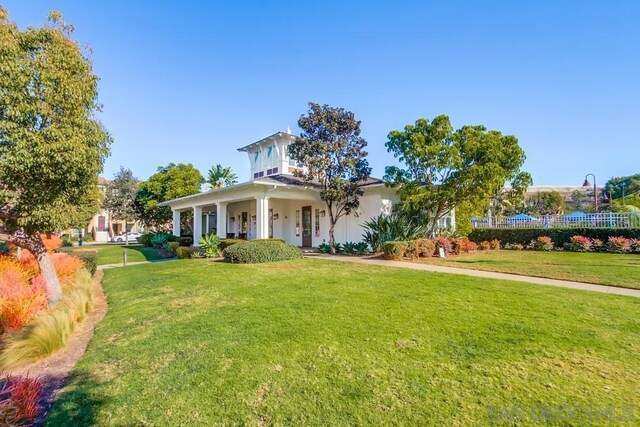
296,215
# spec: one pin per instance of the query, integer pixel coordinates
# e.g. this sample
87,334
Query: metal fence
592,220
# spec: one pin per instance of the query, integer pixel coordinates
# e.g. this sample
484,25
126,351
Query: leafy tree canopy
121,195
544,203
443,167
629,184
169,182
332,151
52,147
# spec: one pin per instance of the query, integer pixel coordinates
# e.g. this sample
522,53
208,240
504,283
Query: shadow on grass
76,404
149,254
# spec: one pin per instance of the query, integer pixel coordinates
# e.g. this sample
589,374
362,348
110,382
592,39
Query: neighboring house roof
267,139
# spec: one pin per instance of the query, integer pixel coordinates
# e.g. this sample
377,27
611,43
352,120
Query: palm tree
221,177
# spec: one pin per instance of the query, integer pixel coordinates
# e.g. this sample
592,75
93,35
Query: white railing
591,220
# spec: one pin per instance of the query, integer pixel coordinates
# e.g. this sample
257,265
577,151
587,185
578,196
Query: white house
276,204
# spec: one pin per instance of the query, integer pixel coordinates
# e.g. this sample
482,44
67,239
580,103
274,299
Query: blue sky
192,81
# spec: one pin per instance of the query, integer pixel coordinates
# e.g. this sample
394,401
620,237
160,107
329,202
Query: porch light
275,216
323,213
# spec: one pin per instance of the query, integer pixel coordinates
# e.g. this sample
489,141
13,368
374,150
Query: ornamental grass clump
51,328
20,400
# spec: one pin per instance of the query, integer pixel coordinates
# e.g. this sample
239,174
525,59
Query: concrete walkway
107,266
485,274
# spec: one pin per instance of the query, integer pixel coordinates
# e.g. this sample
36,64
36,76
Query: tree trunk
33,242
332,240
54,290
126,234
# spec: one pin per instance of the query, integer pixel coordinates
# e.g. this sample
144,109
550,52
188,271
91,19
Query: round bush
257,251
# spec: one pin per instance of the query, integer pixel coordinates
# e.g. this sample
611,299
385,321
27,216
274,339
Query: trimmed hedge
257,251
560,236
225,243
394,249
186,252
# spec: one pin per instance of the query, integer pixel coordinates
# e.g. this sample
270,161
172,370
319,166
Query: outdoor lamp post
595,189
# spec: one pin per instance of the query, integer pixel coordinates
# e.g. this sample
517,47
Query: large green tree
332,152
52,147
443,168
169,182
219,176
544,203
623,184
120,197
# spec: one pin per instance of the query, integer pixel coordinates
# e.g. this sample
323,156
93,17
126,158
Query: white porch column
262,217
221,220
176,223
197,225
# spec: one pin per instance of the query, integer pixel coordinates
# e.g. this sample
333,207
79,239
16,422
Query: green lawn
318,342
112,253
622,270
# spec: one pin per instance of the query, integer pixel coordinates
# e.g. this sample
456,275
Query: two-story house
276,204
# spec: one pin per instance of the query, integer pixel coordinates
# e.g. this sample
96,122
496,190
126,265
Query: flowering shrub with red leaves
580,244
618,245
444,243
484,246
21,294
495,244
23,290
542,243
20,400
635,246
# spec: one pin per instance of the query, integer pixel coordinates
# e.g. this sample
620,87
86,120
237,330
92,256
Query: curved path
486,274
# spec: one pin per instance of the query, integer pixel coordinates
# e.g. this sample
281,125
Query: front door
306,226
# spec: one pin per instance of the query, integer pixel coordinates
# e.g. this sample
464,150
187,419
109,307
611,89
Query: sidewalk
486,274
119,264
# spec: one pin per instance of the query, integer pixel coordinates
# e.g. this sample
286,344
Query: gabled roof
267,139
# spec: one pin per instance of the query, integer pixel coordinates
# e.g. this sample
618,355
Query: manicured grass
622,270
319,342
112,253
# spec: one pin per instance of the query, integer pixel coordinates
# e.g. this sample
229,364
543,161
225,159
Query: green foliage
219,177
258,251
324,248
385,228
225,243
172,247
560,236
185,252
394,249
361,248
544,203
52,328
4,249
210,244
121,195
90,259
332,150
159,240
628,184
349,247
443,167
169,182
51,145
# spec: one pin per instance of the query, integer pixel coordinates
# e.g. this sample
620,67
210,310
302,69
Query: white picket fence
591,220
